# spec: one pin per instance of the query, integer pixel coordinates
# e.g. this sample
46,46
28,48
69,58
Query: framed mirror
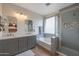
8,24
28,25
12,24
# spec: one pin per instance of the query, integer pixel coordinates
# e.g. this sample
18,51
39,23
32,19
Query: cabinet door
1,47
31,42
10,46
23,44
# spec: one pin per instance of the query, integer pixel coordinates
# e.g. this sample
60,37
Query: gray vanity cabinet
14,46
31,42
26,43
9,46
1,47
22,44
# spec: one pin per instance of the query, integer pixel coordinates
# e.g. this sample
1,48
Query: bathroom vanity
12,46
12,43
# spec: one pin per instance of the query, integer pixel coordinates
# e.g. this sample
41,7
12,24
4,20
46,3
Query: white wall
0,8
0,15
11,10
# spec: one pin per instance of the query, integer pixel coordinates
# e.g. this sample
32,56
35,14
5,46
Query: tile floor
26,53
37,51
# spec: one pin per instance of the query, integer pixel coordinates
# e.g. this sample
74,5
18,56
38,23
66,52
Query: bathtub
45,42
49,42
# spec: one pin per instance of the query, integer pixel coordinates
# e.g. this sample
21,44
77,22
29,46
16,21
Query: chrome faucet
10,34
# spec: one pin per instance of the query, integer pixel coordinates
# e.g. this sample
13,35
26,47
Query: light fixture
21,15
47,4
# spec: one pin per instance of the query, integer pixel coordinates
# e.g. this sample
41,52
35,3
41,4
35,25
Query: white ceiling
42,9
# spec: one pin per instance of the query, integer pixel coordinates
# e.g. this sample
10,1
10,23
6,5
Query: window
51,25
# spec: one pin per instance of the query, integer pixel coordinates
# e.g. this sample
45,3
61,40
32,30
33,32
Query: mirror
12,24
28,25
8,24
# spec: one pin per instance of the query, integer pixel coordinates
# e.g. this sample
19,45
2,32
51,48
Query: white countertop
16,36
